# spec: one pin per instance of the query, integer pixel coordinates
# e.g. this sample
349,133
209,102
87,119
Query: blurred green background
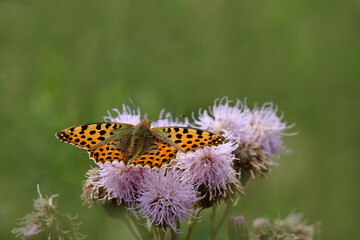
64,63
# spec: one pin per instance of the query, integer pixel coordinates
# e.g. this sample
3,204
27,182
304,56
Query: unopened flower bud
237,228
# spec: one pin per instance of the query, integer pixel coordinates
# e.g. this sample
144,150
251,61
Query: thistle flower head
210,167
265,128
165,198
168,120
120,181
126,116
222,117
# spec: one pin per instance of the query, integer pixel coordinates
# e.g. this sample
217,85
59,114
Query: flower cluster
154,200
195,180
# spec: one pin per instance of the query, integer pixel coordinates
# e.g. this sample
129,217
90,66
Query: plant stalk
175,234
223,218
213,220
159,233
140,227
130,224
191,224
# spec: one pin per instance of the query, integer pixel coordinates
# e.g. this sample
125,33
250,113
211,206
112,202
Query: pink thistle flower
265,128
210,167
221,118
120,181
165,198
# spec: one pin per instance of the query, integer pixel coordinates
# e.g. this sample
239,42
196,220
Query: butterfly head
142,129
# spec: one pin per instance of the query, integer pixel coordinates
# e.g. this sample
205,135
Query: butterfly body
139,141
139,145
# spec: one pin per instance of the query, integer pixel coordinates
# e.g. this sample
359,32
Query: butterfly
139,145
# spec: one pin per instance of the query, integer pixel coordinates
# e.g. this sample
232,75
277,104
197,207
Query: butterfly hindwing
189,139
156,157
89,135
107,153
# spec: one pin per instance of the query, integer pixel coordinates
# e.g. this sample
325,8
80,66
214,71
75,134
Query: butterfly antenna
137,109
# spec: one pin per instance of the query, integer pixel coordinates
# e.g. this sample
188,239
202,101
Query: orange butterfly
137,145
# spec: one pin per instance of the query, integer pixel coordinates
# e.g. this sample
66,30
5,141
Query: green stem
317,231
130,224
159,233
223,218
139,225
212,220
191,224
175,234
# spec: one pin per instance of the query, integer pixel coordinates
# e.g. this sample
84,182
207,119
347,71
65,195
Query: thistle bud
237,228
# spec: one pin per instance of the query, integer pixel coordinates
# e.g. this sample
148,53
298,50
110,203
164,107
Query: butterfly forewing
89,135
190,139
